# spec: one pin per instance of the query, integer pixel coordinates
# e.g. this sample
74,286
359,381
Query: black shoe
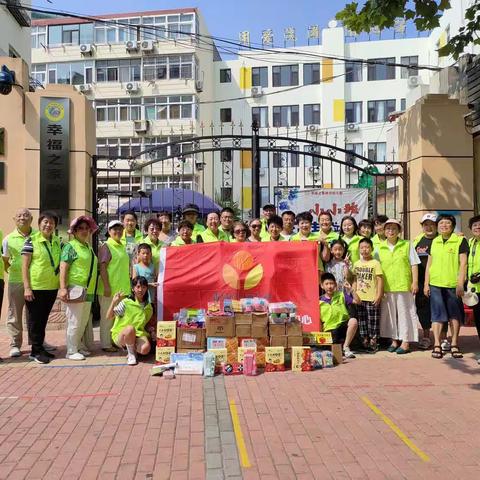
48,354
39,358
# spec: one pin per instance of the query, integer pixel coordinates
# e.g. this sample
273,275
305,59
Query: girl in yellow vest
130,316
399,263
474,267
348,233
78,271
40,268
444,279
114,278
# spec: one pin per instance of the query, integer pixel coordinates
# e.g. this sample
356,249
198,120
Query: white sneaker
15,352
75,356
446,346
85,353
131,359
347,353
48,347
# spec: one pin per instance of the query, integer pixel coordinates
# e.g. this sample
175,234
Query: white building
15,30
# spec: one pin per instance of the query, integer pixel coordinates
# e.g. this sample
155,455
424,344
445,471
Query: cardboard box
190,350
167,334
220,326
259,331
243,330
294,329
260,319
191,338
216,342
220,356
275,329
317,338
274,359
301,359
294,341
279,341
162,354
243,318
188,363
241,353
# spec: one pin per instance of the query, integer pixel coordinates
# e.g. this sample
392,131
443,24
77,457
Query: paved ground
378,417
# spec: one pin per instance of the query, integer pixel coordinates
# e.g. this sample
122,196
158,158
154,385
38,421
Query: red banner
193,275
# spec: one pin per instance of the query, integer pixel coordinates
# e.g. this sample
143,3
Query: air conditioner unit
86,49
146,46
352,127
132,87
131,46
141,126
199,86
313,129
256,92
85,88
413,81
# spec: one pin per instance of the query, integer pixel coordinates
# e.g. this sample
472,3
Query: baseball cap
191,208
429,216
268,206
115,223
395,221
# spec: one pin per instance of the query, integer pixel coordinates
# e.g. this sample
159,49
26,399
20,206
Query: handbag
78,294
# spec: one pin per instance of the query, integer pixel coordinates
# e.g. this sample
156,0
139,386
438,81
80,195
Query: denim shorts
445,305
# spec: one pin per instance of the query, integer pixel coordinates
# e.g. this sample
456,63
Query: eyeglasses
255,226
240,231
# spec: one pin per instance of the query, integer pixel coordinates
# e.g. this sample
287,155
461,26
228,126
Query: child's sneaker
347,353
131,359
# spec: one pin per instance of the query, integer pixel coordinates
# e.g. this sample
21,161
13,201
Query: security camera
7,80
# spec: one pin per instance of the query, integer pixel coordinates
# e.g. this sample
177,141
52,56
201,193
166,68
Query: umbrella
171,200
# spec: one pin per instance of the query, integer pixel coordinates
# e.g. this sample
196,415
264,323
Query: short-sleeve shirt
366,273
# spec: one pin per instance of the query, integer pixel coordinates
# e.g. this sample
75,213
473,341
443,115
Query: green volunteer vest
445,261
417,239
15,242
376,240
353,248
178,242
44,275
298,237
331,236
80,268
118,268
136,315
397,271
473,262
208,236
155,250
138,237
333,314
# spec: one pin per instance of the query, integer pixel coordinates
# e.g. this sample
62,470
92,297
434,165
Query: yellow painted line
242,449
397,430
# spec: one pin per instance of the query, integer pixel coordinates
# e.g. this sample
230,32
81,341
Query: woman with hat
399,263
78,279
114,277
474,267
40,268
190,213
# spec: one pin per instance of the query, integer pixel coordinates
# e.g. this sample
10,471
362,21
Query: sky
225,18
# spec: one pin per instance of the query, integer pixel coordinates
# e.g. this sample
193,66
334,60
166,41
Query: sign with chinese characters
54,155
339,202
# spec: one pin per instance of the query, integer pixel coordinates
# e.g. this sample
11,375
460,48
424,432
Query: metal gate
238,167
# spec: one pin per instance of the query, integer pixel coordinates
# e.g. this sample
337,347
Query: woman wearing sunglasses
240,232
255,230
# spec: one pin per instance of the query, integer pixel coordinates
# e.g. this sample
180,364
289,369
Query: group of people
372,283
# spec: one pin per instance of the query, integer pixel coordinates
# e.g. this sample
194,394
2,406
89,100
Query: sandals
455,352
437,352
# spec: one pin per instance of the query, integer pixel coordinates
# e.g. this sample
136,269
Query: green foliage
425,14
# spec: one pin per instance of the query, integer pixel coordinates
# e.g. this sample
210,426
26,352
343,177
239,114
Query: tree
425,14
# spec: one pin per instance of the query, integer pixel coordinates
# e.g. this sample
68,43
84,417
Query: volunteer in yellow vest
275,225
190,213
288,219
349,234
268,211
78,276
399,263
114,277
240,232
129,316
327,232
153,228
40,268
445,276
132,236
185,231
378,225
365,228
334,313
255,228
212,233
474,267
166,235
226,222
12,260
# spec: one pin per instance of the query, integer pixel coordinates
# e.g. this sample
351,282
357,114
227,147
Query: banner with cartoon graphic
338,201
190,276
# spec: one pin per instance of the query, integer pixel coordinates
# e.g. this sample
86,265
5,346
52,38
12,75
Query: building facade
15,31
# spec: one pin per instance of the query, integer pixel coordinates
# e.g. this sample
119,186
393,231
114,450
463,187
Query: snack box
162,354
241,353
274,359
209,364
301,359
282,307
166,334
220,326
317,338
220,357
216,342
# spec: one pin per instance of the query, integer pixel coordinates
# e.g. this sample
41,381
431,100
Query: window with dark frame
260,77
286,116
379,70
225,115
406,72
353,112
285,75
311,114
379,110
225,75
311,73
353,72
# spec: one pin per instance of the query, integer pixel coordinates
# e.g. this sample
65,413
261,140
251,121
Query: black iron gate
237,167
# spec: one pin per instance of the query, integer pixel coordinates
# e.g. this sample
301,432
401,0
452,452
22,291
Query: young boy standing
369,288
334,313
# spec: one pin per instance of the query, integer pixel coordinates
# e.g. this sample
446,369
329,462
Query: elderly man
190,213
11,247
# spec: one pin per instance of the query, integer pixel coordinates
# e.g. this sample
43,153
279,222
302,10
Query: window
378,110
225,75
260,116
118,109
353,72
353,112
174,107
379,70
377,151
73,34
226,155
409,61
285,76
168,67
112,33
285,116
74,73
39,37
284,160
225,115
39,73
119,147
311,114
403,104
118,70
356,148
260,77
311,73
309,160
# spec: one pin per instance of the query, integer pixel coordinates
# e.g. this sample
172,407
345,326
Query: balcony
18,13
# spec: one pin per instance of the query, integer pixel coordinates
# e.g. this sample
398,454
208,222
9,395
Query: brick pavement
107,420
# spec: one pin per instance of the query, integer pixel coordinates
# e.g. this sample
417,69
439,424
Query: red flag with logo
192,275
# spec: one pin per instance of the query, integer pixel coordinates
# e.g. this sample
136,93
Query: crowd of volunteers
373,283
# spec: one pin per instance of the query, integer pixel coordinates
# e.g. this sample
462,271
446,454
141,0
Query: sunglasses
255,226
240,231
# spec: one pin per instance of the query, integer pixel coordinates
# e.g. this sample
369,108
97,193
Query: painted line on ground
56,397
242,449
420,453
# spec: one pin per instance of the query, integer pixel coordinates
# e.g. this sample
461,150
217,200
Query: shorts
445,305
340,333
